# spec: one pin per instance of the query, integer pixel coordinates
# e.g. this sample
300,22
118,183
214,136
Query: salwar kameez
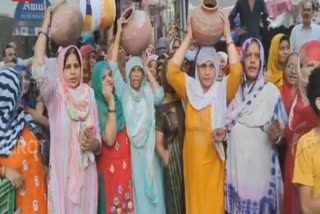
114,162
139,111
115,178
253,183
20,148
253,179
73,181
170,121
203,169
27,160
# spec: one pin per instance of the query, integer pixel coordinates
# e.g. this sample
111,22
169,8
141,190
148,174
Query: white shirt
301,35
19,62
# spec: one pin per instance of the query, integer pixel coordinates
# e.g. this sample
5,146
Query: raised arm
118,79
45,81
41,44
178,57
234,78
176,78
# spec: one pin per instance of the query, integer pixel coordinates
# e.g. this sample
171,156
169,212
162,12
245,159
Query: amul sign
29,16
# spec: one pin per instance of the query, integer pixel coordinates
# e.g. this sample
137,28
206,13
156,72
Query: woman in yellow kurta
278,55
205,102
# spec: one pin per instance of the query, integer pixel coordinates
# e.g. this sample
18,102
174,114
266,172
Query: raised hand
190,34
121,21
47,17
227,28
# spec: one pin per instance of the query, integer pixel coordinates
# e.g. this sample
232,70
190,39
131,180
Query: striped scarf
12,118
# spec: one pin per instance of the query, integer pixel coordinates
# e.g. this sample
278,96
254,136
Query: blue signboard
29,16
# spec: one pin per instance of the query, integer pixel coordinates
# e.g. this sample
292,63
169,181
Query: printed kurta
115,177
26,159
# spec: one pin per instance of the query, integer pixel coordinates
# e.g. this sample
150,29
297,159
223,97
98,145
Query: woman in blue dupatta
139,95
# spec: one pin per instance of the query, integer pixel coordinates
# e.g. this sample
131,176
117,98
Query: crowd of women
181,129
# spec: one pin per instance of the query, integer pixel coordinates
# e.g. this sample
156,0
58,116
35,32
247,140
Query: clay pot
66,24
206,23
137,33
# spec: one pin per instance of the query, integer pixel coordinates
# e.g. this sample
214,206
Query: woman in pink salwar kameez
74,129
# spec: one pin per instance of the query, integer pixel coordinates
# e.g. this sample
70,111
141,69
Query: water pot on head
206,23
66,24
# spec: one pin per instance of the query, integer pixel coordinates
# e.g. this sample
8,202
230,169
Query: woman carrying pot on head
278,55
139,95
255,120
205,101
74,128
20,153
114,162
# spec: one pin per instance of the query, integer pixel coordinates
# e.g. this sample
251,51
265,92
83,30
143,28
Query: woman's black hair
313,89
70,51
285,38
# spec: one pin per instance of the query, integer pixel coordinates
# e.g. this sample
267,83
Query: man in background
251,13
306,31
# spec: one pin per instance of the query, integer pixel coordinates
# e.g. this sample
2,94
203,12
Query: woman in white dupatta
253,183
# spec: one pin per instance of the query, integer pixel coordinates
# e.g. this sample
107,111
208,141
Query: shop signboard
29,16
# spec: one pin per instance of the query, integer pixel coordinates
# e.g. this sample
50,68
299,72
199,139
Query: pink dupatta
78,104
